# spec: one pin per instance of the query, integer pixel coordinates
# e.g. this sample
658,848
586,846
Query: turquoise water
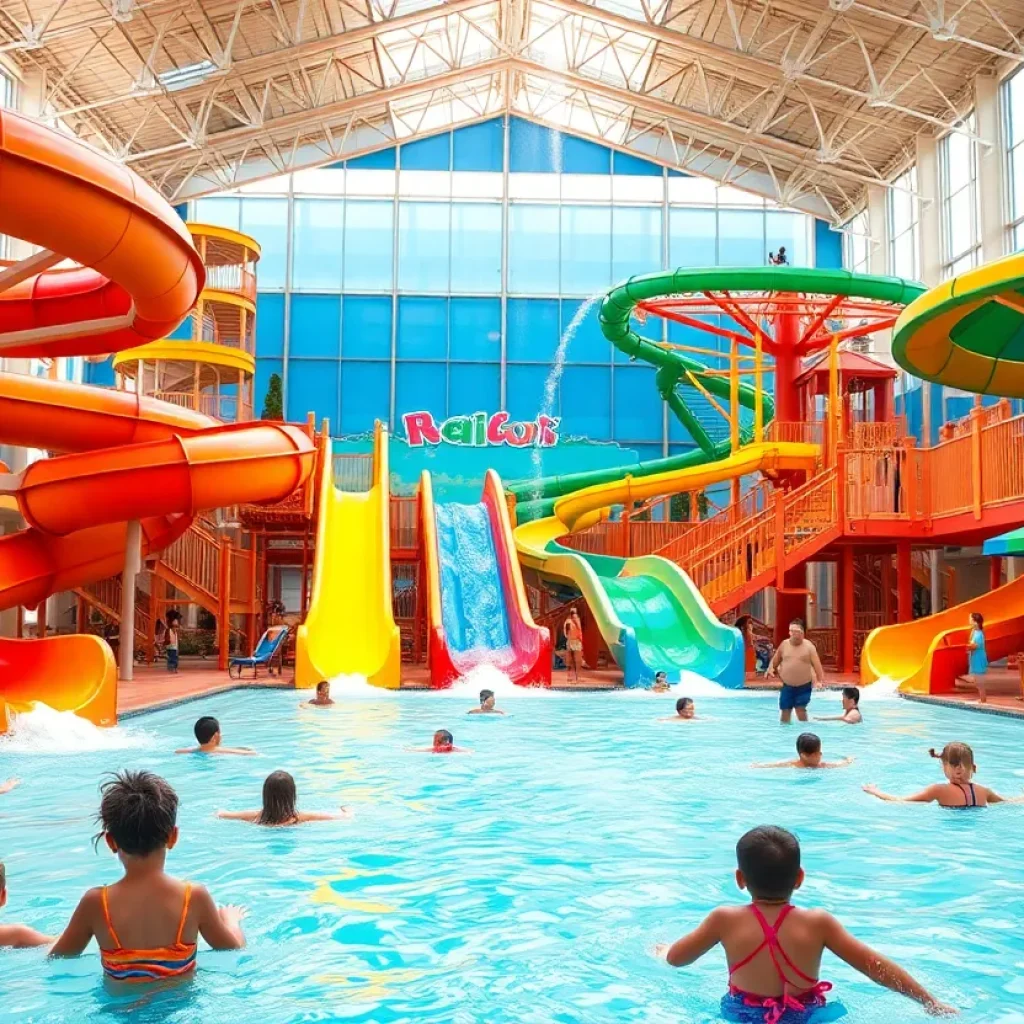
529,881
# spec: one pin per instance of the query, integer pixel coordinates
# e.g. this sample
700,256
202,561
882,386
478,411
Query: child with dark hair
977,659
958,790
486,705
685,711
279,806
207,730
851,708
322,698
171,640
147,924
444,743
774,949
17,936
661,684
808,755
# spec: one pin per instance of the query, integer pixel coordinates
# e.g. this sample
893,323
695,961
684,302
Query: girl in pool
958,791
279,808
977,658
146,924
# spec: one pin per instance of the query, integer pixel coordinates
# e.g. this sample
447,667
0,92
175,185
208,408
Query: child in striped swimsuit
146,924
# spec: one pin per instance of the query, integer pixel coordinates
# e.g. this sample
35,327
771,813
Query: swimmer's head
279,798
851,697
768,863
957,761
443,741
661,678
207,729
808,749
323,689
684,707
487,700
138,814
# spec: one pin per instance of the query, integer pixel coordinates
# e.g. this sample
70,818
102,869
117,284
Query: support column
904,582
886,574
846,607
878,229
991,168
787,367
936,581
929,234
995,573
132,565
224,606
883,401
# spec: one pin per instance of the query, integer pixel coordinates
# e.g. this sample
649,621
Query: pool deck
154,687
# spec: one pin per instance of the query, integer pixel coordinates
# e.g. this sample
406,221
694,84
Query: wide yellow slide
350,627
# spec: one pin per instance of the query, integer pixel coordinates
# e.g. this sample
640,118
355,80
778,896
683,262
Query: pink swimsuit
775,1007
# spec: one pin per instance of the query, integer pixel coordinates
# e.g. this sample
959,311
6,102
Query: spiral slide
967,333
129,458
477,611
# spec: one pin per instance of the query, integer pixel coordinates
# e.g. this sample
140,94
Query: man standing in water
797,663
573,645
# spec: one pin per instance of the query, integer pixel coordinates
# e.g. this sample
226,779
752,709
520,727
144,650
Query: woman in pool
958,790
279,808
977,659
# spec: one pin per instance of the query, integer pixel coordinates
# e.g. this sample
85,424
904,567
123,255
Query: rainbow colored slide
126,457
477,612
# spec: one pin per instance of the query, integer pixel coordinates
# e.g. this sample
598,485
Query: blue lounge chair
271,646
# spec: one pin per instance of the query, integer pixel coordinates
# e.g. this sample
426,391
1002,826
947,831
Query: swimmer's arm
241,751
819,672
239,815
20,936
342,812
994,798
926,796
853,717
6,787
79,931
880,969
222,928
701,940
188,750
776,764
774,663
830,718
837,764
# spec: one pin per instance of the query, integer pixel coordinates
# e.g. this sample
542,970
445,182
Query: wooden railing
353,472
810,510
627,537
877,435
228,408
232,278
801,433
106,595
195,556
405,523
987,416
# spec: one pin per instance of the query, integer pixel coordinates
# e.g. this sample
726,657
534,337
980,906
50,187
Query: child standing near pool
977,658
146,924
171,640
774,949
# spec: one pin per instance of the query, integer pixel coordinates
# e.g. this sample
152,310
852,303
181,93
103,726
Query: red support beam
995,573
846,607
904,582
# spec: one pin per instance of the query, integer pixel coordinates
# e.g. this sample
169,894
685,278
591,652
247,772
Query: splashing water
882,688
350,687
46,731
555,374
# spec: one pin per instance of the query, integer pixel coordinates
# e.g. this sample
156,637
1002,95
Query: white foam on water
353,686
882,688
46,731
489,677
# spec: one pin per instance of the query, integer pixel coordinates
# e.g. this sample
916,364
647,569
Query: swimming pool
528,882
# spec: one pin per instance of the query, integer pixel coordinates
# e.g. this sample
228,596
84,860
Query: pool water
529,881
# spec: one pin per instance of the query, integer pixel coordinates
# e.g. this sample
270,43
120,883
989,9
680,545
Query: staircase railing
105,595
195,557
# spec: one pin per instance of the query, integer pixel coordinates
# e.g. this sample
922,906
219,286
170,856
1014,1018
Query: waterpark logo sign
480,430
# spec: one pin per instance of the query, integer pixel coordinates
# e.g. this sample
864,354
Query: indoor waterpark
511,511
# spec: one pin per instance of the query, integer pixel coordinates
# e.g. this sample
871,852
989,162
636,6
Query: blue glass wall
441,274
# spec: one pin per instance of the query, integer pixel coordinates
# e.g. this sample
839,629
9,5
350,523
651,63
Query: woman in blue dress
977,658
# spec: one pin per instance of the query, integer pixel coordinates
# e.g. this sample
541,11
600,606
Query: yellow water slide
350,627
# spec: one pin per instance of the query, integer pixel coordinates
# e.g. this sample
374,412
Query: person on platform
661,684
745,624
573,631
797,663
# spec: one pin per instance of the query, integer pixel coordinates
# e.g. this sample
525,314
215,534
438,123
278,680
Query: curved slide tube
350,626
650,614
140,272
477,612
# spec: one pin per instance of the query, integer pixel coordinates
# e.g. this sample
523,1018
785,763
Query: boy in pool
685,711
147,924
17,936
207,731
851,708
322,698
808,755
774,949
661,682
444,743
486,705
958,790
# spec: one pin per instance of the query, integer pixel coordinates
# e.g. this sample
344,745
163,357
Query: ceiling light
190,74
122,10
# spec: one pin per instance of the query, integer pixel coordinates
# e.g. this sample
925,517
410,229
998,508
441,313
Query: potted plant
273,405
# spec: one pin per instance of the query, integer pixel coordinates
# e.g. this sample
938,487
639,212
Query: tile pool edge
188,698
980,709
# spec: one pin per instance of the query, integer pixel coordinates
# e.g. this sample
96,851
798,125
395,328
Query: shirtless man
797,663
573,645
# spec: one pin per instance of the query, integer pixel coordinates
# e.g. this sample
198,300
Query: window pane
475,330
315,325
365,395
1017,177
789,230
267,221
585,402
638,406
312,387
368,245
533,330
1015,97
318,232
270,324
586,249
225,213
741,238
421,386
636,240
588,343
476,247
366,327
959,169
533,249
525,391
692,241
961,222
473,387
424,233
422,328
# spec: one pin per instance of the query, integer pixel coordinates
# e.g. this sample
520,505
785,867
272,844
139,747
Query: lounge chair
271,646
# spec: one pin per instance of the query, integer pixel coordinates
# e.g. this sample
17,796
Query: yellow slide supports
350,628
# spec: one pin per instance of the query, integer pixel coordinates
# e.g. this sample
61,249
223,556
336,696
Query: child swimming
958,791
279,797
851,708
17,936
444,743
147,924
207,730
322,698
808,755
685,711
661,682
770,973
486,705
